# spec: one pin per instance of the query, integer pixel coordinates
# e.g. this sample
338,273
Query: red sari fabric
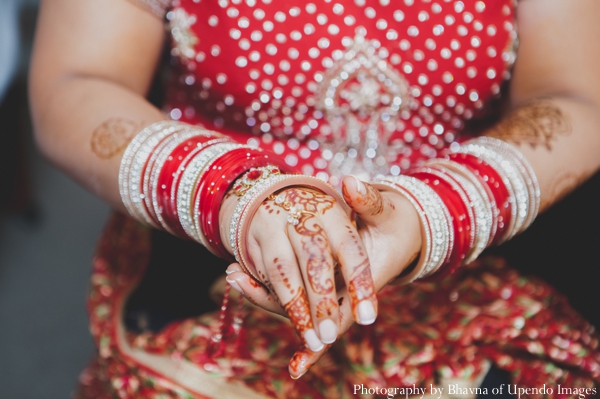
441,333
304,79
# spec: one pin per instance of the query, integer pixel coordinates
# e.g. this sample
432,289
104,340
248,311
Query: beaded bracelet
147,171
133,162
519,179
485,190
499,186
168,157
154,162
221,174
174,176
166,176
189,182
461,213
478,198
525,170
516,181
436,230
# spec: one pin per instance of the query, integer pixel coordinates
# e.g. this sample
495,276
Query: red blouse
364,87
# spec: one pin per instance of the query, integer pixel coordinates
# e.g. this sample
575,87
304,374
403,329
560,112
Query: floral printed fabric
430,333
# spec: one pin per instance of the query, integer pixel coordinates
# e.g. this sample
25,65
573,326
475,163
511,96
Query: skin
86,99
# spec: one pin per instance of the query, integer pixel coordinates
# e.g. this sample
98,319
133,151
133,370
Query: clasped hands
320,269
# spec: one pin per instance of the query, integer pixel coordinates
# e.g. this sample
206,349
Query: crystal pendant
362,97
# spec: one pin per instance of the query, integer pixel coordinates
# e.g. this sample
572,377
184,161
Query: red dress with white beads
361,87
339,87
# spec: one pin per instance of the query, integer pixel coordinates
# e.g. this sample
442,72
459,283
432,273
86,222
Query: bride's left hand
389,227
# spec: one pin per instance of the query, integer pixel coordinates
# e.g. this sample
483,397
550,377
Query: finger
278,270
351,254
368,203
234,267
309,240
252,290
304,358
284,279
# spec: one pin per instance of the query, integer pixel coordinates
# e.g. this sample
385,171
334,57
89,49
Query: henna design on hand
112,136
315,243
310,200
326,308
267,284
255,283
285,280
373,200
298,311
300,360
314,240
536,124
361,285
347,196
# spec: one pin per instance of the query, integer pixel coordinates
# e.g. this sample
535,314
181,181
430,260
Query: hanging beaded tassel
218,342
228,338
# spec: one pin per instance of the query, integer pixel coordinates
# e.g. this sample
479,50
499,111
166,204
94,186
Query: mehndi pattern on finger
326,308
304,206
299,312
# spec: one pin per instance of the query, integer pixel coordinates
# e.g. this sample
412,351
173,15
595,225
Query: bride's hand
295,256
389,228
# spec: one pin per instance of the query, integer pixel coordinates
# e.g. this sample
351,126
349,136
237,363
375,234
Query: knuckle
281,271
350,248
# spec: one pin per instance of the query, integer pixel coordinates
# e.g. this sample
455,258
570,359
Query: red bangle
170,173
472,228
493,181
215,183
461,218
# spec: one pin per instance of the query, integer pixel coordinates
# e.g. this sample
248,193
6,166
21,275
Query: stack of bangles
174,177
480,194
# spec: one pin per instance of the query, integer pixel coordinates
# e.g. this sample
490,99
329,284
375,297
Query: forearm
92,63
83,126
560,137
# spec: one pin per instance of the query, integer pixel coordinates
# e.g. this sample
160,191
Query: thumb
368,203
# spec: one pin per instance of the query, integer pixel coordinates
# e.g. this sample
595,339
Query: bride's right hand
295,263
390,229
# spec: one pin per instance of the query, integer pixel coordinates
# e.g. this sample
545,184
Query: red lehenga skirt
446,333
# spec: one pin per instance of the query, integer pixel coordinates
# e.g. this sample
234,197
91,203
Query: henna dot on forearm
112,136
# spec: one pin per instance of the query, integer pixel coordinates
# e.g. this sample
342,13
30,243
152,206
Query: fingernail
360,186
328,331
313,342
366,313
235,285
232,269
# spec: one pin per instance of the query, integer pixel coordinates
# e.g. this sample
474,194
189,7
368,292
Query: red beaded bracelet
222,172
144,182
494,182
461,217
170,173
